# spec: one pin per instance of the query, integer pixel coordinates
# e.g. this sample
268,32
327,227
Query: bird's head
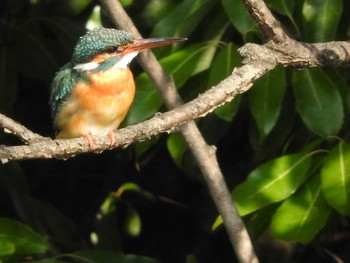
102,43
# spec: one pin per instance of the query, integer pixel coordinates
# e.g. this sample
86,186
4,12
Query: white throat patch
86,66
125,60
122,63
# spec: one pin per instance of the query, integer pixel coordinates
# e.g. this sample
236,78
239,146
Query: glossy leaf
176,146
6,247
183,19
336,178
265,100
287,8
342,85
218,222
133,222
222,66
318,101
302,215
320,19
181,65
23,239
284,7
272,182
239,16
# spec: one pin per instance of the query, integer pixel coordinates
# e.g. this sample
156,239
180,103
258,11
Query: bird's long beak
140,44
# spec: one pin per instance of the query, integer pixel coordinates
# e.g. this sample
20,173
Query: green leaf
222,66
272,182
226,59
265,100
23,239
229,110
184,18
6,247
342,85
284,7
176,146
182,65
302,215
239,16
103,257
318,101
335,174
218,222
133,222
320,19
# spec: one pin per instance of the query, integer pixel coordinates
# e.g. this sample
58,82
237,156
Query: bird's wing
62,84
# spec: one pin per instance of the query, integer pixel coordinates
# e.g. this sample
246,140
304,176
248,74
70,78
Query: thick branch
240,81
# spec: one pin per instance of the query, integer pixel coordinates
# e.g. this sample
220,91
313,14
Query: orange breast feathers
99,105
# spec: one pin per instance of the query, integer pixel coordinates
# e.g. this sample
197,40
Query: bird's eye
112,50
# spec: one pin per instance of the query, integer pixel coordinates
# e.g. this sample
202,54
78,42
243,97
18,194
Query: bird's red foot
112,138
90,140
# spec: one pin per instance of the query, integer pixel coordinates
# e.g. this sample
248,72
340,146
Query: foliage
283,147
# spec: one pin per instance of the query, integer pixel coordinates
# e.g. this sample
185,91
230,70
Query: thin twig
11,126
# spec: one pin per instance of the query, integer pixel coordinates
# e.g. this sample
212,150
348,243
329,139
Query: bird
91,94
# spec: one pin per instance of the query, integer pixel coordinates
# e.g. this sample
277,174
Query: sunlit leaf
176,146
23,239
342,85
284,7
336,178
318,101
303,215
183,19
222,66
132,187
218,222
265,100
239,16
272,182
320,19
287,8
6,247
132,224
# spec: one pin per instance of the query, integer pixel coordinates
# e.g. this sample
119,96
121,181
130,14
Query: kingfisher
92,94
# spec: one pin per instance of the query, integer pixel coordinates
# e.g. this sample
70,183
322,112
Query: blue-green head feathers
97,41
